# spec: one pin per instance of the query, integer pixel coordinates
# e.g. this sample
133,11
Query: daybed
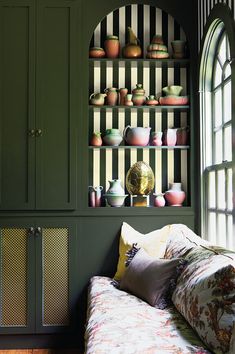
201,318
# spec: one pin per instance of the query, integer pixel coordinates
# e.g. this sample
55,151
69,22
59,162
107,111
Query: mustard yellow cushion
154,243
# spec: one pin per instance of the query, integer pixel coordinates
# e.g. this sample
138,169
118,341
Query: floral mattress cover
118,322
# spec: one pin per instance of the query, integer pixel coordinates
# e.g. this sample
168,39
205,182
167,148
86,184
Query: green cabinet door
56,104
17,277
17,104
56,289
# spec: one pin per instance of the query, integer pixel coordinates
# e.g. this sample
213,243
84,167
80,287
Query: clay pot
138,99
178,47
132,49
156,138
112,47
159,200
182,136
97,99
138,136
175,196
151,101
122,96
112,96
112,137
170,137
128,100
174,100
96,139
96,52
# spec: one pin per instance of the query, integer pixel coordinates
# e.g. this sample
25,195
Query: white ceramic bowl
115,200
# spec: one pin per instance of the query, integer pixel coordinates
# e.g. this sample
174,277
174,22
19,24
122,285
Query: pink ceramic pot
159,200
170,137
182,136
138,136
156,138
175,196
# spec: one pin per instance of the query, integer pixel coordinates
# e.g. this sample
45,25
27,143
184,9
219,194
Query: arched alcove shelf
168,165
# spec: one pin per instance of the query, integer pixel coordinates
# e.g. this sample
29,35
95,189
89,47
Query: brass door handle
31,132
38,132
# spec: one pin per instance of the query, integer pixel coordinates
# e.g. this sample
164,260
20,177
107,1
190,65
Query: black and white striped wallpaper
204,9
106,164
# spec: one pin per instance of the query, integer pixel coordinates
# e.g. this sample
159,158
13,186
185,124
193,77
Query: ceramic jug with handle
138,136
97,99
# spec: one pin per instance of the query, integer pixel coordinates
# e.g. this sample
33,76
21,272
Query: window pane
228,143
227,102
221,230
212,227
222,50
230,236
218,147
211,190
227,71
217,108
221,190
230,189
217,74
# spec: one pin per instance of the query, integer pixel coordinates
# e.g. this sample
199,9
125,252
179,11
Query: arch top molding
184,12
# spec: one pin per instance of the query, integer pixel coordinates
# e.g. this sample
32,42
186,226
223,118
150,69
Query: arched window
216,137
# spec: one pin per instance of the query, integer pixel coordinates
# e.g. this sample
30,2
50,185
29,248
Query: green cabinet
38,105
37,285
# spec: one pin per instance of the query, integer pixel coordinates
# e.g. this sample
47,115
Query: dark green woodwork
17,102
48,89
55,98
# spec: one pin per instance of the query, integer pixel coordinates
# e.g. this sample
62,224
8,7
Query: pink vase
122,96
159,200
156,138
170,137
175,196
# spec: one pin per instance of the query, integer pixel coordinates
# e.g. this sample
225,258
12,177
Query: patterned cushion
120,323
180,240
154,243
205,296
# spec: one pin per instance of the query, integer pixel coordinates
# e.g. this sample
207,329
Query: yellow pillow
154,243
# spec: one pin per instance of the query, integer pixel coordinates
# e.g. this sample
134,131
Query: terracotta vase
96,52
182,136
128,100
132,49
151,100
178,47
112,96
96,139
112,47
138,97
122,95
175,196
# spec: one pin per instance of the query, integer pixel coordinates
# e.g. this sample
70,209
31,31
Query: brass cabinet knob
31,132
38,132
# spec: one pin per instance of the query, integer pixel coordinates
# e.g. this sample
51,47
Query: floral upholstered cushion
205,296
180,240
120,323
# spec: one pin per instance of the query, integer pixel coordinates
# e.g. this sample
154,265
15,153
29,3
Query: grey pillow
151,279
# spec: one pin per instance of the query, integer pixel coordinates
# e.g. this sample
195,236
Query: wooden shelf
155,108
164,147
169,63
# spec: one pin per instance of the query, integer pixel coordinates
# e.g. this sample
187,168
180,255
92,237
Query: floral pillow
205,296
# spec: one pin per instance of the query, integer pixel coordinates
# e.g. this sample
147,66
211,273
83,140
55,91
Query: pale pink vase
170,137
175,196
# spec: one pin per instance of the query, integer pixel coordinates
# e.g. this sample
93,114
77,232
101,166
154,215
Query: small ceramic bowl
172,90
174,100
96,52
115,200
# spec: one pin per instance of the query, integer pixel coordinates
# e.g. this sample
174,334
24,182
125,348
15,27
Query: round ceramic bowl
174,100
115,200
96,52
172,90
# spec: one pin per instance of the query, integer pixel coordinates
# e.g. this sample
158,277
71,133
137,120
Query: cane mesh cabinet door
55,256
16,280
17,104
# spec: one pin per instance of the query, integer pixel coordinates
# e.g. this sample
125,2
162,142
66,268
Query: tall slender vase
122,96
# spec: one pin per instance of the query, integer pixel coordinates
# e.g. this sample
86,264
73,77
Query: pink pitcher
138,136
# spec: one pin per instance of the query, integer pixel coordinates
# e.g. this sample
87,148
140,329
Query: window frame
220,23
